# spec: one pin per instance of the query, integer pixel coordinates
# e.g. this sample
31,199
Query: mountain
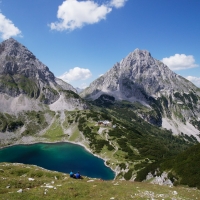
27,84
79,90
65,86
136,98
170,100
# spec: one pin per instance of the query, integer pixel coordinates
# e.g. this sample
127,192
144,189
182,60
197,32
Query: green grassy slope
185,167
182,169
53,185
132,146
137,143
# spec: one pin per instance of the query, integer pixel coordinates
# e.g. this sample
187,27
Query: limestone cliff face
23,75
139,77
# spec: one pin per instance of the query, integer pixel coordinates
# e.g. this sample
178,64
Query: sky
79,40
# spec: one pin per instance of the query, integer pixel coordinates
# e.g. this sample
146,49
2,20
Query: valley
140,117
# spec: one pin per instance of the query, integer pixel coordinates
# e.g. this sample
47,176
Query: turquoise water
62,157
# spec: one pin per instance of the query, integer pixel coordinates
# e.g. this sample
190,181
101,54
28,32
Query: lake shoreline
104,159
71,142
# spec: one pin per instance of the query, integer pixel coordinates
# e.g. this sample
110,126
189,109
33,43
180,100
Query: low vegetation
128,142
23,182
35,121
9,123
19,83
185,167
54,132
136,142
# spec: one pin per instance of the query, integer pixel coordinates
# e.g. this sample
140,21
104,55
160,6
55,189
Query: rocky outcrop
160,180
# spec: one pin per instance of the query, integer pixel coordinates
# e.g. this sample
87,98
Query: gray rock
162,180
64,85
20,191
149,176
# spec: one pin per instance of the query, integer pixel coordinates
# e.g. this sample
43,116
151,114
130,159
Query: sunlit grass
55,131
16,176
75,135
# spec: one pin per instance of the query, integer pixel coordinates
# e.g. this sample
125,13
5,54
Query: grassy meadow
24,182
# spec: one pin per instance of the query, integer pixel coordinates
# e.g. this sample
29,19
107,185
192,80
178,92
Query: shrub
122,165
37,174
12,126
19,172
128,175
141,175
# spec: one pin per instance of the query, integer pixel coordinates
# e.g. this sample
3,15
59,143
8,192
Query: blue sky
81,39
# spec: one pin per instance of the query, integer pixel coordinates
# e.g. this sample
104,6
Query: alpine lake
61,157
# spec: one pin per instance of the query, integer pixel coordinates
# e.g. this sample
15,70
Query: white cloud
74,14
117,3
76,74
180,61
7,28
195,80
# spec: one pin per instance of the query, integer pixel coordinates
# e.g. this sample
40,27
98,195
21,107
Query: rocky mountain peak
17,59
138,54
21,73
137,71
13,48
141,78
